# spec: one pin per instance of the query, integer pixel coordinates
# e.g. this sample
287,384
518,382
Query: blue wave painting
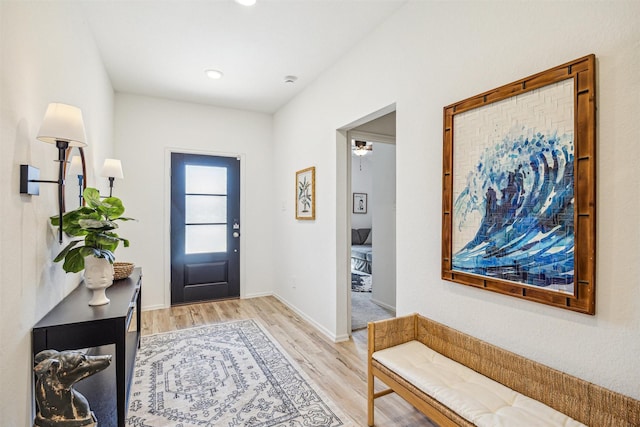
520,196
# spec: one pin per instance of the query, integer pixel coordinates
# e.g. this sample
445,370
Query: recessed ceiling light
290,79
246,2
214,74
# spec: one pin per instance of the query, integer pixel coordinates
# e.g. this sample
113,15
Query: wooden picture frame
519,188
360,203
74,186
306,194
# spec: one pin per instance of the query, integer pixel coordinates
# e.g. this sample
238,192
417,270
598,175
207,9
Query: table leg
120,373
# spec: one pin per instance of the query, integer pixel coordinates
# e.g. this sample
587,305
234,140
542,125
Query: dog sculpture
59,405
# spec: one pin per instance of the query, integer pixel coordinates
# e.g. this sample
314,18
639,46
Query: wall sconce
112,169
64,127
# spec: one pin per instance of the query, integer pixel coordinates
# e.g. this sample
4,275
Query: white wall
383,205
431,54
34,71
146,131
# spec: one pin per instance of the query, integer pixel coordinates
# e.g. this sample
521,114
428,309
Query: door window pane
205,238
205,209
205,179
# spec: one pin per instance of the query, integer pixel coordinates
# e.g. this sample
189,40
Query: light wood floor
340,370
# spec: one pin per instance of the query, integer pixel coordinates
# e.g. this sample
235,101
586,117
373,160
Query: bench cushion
475,397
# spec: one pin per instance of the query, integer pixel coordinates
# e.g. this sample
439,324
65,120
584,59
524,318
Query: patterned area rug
228,374
360,282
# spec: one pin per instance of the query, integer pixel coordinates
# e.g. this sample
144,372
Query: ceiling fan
361,148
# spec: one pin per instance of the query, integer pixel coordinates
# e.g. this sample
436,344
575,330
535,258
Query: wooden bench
580,400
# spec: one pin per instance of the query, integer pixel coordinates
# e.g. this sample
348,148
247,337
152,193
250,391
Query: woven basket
122,270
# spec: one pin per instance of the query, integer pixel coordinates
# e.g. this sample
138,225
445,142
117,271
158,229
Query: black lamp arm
62,148
111,179
29,174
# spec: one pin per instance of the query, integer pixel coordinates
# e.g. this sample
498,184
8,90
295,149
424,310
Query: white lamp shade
63,122
112,168
76,165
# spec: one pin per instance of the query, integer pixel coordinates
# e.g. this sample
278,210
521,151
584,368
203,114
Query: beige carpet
363,310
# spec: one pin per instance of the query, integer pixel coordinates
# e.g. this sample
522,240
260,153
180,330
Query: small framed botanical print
306,194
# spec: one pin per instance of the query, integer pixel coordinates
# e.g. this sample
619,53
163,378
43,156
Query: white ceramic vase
98,276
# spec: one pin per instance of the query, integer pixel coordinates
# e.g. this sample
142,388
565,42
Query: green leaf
63,253
97,225
107,241
112,207
75,230
71,220
92,197
74,261
86,251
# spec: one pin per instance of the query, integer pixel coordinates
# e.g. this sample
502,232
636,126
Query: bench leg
370,397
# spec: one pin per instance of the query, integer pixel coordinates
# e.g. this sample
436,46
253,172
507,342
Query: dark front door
205,228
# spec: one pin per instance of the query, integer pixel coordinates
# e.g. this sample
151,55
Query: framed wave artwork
519,204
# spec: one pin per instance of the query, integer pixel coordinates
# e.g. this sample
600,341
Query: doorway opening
372,219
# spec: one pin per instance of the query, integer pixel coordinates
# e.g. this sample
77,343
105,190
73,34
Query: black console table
74,325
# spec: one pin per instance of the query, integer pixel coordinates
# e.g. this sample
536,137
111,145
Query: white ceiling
162,48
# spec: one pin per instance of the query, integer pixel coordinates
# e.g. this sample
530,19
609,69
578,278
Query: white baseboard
383,305
256,295
318,326
153,307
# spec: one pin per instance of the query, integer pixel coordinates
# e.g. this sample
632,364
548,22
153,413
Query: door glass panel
205,209
205,179
205,238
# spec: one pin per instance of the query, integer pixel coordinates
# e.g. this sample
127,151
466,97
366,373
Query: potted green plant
94,252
